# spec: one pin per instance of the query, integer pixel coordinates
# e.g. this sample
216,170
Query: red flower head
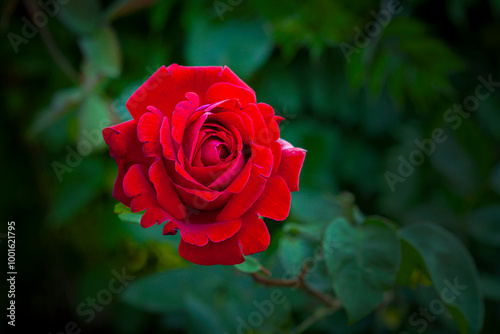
203,156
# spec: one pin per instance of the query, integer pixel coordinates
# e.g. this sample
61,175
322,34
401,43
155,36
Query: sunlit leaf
251,265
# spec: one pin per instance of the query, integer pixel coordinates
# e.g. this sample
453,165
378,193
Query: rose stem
301,283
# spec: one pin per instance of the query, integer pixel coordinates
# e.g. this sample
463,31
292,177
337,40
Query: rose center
213,151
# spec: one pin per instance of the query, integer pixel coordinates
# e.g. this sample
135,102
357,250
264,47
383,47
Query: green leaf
311,231
452,272
102,51
63,102
312,206
241,45
94,116
126,215
251,265
412,271
164,292
202,317
484,223
203,293
362,264
291,252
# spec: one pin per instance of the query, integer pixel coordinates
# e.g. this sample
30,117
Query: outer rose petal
226,252
126,149
292,159
224,90
276,149
148,132
199,234
241,202
253,237
275,200
166,140
137,186
260,127
168,85
166,195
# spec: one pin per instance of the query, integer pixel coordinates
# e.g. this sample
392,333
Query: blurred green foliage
359,113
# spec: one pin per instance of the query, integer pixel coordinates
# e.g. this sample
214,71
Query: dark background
355,116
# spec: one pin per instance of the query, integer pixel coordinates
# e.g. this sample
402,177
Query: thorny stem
299,283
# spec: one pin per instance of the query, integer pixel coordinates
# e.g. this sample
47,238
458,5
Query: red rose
201,154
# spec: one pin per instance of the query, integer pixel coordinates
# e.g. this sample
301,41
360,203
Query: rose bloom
203,156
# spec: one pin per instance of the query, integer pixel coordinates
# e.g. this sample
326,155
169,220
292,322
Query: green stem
300,283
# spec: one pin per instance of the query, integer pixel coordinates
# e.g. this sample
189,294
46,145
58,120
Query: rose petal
202,200
137,186
275,200
191,136
253,236
166,195
126,149
224,90
262,157
210,153
229,104
198,234
292,159
223,180
261,136
241,202
206,175
182,111
148,132
230,120
166,140
266,110
273,129
226,252
276,149
169,85
241,180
